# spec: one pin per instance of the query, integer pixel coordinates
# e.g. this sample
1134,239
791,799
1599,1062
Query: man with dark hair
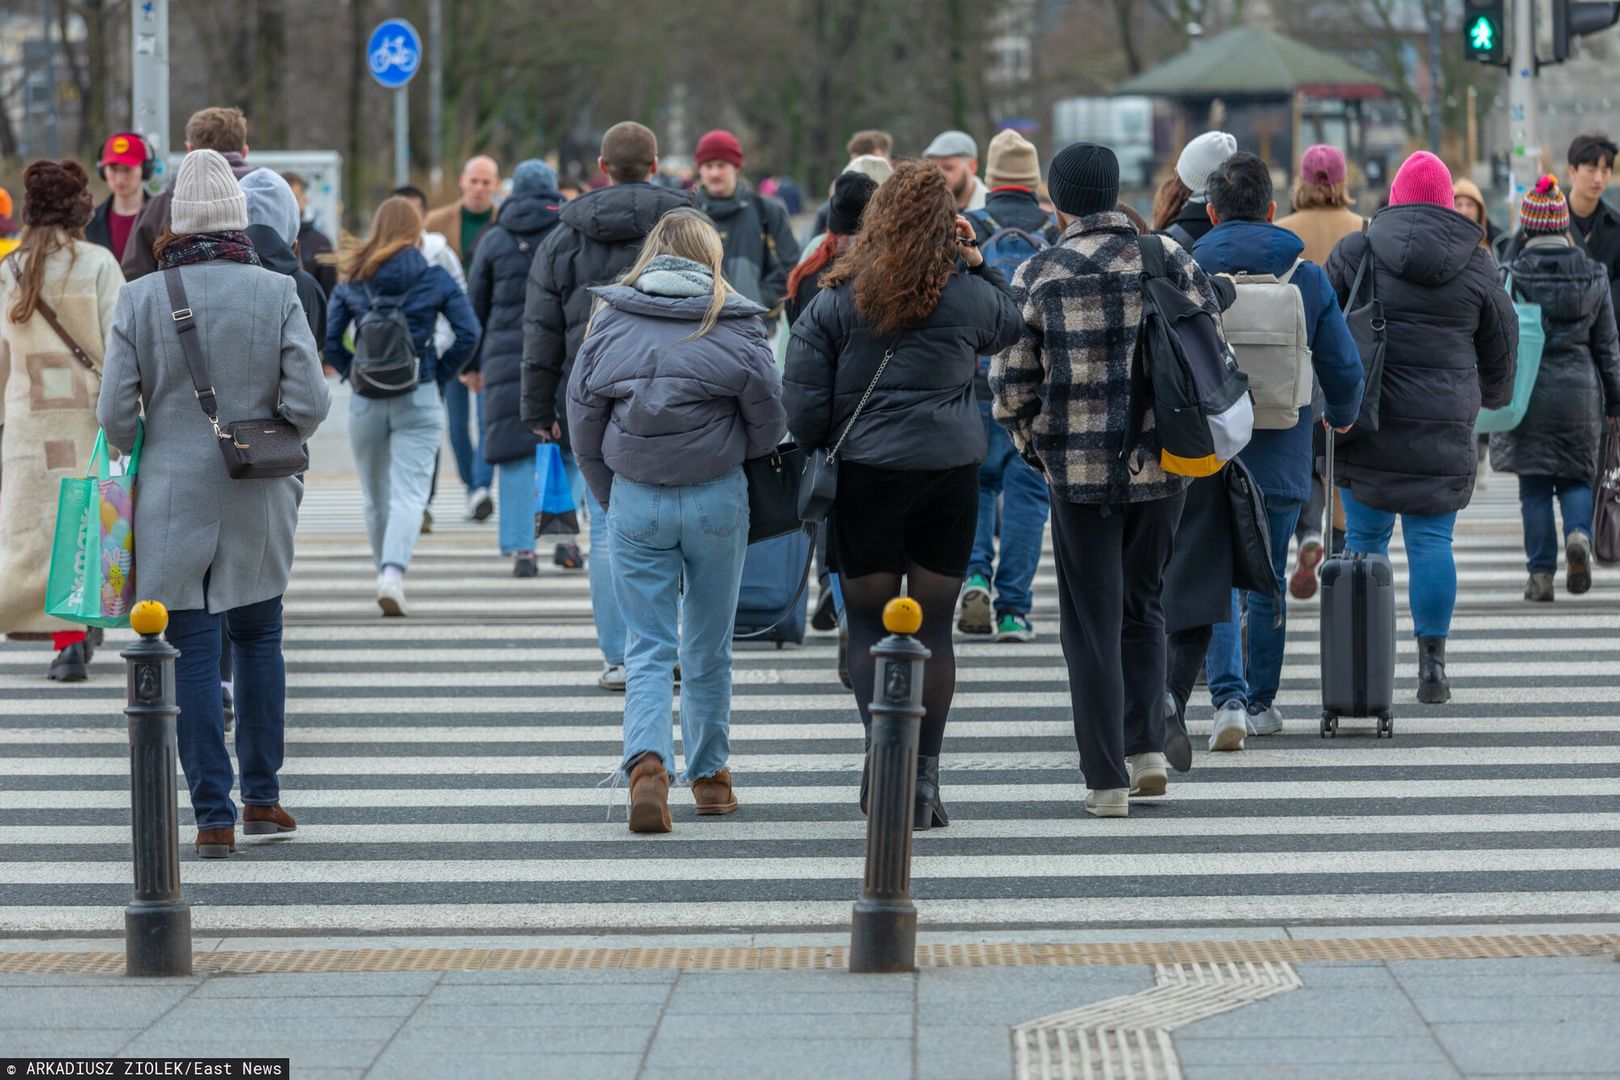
599,236
1596,223
1246,244
219,128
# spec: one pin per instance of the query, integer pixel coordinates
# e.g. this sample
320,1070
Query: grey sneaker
1539,589
1110,802
1578,556
1149,775
612,677
1269,722
1231,725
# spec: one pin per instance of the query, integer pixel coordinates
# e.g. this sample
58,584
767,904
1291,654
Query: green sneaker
1014,627
973,611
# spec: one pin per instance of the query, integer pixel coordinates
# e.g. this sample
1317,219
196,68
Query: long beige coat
48,406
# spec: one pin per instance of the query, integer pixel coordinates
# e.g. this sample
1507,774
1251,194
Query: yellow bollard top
902,615
149,618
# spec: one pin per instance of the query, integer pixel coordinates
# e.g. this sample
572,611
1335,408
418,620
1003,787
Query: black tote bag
1367,327
773,493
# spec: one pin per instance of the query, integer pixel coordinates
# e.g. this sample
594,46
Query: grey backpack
1266,328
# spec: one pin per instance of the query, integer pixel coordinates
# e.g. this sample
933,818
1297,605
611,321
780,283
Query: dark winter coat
1603,244
1192,224
648,405
1451,347
1281,459
138,259
922,414
274,254
497,285
313,243
98,231
1007,208
1579,379
605,229
429,292
760,248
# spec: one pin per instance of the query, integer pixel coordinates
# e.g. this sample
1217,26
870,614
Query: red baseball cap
125,148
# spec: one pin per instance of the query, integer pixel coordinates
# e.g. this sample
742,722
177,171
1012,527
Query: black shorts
886,519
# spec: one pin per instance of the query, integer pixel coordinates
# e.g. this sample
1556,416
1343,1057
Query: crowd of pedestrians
966,361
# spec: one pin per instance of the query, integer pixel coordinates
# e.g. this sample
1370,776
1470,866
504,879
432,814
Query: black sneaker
72,664
1578,556
525,566
1177,746
569,557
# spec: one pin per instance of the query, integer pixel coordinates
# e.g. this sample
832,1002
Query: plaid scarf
197,248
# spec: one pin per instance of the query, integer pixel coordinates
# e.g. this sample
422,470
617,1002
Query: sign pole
394,53
149,76
1523,126
402,137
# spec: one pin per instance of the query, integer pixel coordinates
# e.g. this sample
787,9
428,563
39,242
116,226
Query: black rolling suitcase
1358,634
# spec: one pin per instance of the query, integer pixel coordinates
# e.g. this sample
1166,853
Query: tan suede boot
215,843
261,820
649,795
713,794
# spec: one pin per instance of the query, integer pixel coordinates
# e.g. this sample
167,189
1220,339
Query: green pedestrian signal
1482,31
1482,35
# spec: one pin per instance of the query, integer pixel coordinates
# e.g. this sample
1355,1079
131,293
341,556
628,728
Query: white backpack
1266,329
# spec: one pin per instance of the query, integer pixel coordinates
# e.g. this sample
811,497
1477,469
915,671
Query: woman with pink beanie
1451,346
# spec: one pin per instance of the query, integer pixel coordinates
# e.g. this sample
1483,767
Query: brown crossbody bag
48,313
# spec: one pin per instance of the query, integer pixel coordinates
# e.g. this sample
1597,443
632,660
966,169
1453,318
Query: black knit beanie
851,192
1083,179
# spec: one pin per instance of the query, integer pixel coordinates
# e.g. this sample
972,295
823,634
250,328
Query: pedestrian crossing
445,769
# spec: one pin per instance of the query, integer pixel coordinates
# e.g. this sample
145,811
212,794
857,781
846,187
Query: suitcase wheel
1330,726
1386,727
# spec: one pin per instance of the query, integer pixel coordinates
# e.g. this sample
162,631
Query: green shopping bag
92,579
1532,338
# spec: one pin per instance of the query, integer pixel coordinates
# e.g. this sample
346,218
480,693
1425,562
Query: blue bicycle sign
394,52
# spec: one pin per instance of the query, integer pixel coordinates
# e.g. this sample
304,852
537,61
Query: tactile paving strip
835,957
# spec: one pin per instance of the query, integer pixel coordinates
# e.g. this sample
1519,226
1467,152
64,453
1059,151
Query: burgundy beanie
719,146
1423,178
56,193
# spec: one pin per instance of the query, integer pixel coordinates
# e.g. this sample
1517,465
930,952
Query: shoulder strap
185,324
1180,235
888,354
1152,248
1361,272
1284,279
48,313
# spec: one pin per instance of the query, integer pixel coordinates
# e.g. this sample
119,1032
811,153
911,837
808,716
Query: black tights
864,598
1187,650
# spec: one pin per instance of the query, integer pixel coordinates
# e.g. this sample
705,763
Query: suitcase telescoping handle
1331,436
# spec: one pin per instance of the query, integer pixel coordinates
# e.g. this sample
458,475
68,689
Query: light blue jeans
1431,569
474,471
395,442
659,535
515,503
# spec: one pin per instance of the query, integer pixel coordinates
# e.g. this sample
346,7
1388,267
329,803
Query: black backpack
386,363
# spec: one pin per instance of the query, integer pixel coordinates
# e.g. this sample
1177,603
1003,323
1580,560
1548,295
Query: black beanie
1083,179
851,192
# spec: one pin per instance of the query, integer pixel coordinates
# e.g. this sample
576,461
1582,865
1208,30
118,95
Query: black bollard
883,937
157,923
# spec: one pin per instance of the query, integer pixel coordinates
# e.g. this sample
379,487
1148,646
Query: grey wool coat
191,519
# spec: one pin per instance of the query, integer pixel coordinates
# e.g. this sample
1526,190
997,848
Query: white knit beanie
1202,157
206,197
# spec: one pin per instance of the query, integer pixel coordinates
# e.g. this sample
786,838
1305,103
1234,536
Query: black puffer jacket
497,285
1579,378
1191,224
603,235
922,414
1452,346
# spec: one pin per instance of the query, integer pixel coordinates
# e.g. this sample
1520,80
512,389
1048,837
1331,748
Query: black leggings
1187,649
864,598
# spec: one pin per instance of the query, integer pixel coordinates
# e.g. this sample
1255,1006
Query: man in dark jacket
218,128
760,248
602,234
273,230
1596,223
1244,241
125,164
312,243
496,285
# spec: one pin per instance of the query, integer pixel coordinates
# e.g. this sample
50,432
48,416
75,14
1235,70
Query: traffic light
1484,30
1577,18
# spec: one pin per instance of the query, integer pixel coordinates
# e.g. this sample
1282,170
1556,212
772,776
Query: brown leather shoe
713,794
260,820
215,843
649,795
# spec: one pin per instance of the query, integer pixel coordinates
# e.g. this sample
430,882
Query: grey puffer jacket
1579,378
646,403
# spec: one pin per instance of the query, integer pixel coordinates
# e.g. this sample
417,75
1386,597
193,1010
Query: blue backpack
1008,248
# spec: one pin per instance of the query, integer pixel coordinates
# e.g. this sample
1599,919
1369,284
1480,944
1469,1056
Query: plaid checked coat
1064,388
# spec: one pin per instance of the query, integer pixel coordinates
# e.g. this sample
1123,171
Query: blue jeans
395,442
474,471
1540,529
660,534
1255,685
515,504
1431,570
261,707
1024,508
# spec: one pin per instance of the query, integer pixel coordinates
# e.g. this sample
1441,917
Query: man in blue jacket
1244,240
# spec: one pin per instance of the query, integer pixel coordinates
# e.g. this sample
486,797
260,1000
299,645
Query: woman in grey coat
208,547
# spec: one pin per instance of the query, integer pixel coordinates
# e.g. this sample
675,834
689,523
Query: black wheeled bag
1358,635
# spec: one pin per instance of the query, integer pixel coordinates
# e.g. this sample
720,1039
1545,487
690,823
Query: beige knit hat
1013,162
206,197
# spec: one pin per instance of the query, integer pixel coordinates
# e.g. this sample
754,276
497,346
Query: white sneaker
391,596
479,504
1269,722
613,677
1110,802
1149,774
1231,725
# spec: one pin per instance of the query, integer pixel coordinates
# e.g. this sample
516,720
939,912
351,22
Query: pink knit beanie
1423,178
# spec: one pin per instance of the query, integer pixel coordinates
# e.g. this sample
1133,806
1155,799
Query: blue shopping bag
554,511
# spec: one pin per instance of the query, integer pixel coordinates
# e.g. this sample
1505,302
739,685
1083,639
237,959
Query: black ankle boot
1433,689
930,812
72,664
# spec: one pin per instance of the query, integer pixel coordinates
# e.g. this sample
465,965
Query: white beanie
1202,157
206,196
270,202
